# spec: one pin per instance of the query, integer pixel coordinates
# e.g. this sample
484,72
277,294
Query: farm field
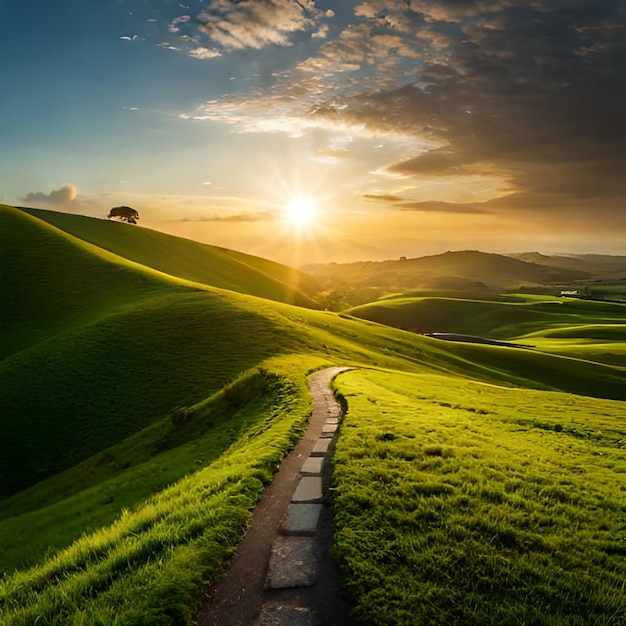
150,387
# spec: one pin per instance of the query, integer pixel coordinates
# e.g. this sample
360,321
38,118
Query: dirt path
240,598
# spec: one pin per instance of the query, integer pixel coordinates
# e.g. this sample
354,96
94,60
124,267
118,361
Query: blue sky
413,127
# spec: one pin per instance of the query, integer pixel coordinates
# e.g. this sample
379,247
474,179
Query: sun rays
300,212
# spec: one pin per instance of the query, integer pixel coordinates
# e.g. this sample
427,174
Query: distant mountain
596,265
463,268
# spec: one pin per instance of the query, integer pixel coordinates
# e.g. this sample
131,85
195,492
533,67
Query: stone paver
309,489
299,585
312,466
301,519
321,446
278,615
293,563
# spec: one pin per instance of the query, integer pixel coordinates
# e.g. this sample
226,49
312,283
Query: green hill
190,260
52,281
145,410
497,318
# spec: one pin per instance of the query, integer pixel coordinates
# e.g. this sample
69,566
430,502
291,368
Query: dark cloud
531,92
58,198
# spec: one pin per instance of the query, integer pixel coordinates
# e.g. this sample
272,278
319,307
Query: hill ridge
191,260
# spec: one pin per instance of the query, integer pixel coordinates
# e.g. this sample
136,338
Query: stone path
282,573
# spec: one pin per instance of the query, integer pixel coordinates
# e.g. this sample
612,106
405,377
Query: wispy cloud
235,25
237,217
382,197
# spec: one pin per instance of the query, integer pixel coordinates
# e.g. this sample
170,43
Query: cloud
237,217
382,197
435,206
523,92
235,25
59,198
174,26
328,155
529,92
204,53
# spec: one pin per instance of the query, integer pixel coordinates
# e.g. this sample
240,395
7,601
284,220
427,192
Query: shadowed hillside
495,318
52,281
592,264
464,270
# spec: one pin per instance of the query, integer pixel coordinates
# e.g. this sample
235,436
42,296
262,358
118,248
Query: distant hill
191,260
595,265
499,319
463,270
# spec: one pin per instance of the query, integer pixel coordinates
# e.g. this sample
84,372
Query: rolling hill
190,260
150,386
463,270
594,265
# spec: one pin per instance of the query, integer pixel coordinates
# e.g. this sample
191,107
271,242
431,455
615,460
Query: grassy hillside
151,565
190,260
465,270
462,503
604,343
52,281
523,318
146,411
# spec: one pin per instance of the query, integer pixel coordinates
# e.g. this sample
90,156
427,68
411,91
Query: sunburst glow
300,212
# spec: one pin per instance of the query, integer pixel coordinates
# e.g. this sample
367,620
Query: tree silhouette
123,214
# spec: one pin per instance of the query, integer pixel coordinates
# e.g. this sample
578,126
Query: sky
314,131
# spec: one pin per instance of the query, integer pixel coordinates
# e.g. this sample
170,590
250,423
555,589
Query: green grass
464,503
498,319
603,343
127,385
190,260
52,281
152,564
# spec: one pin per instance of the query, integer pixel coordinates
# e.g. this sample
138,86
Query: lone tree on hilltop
123,214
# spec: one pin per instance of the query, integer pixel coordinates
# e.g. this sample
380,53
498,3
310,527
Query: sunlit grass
175,400
151,565
497,317
463,503
190,260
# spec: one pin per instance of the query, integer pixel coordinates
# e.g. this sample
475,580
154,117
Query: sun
300,212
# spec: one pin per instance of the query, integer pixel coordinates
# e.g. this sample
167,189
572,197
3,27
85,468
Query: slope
190,385
498,318
496,271
190,260
595,265
52,281
110,367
